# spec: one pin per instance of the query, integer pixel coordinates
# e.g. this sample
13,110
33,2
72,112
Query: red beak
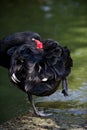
39,44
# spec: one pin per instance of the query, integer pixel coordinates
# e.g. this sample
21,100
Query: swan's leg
64,87
38,113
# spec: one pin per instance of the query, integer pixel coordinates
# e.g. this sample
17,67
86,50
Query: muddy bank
58,121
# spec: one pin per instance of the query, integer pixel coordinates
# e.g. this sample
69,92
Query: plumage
9,43
35,70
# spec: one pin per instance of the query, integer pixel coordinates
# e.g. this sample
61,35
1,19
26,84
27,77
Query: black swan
36,66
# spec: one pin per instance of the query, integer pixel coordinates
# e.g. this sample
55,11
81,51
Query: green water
64,21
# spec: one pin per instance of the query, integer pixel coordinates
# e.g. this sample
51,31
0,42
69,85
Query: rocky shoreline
58,121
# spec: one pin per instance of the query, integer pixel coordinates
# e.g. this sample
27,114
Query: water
64,21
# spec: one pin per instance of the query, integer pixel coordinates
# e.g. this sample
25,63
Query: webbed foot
36,112
42,114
